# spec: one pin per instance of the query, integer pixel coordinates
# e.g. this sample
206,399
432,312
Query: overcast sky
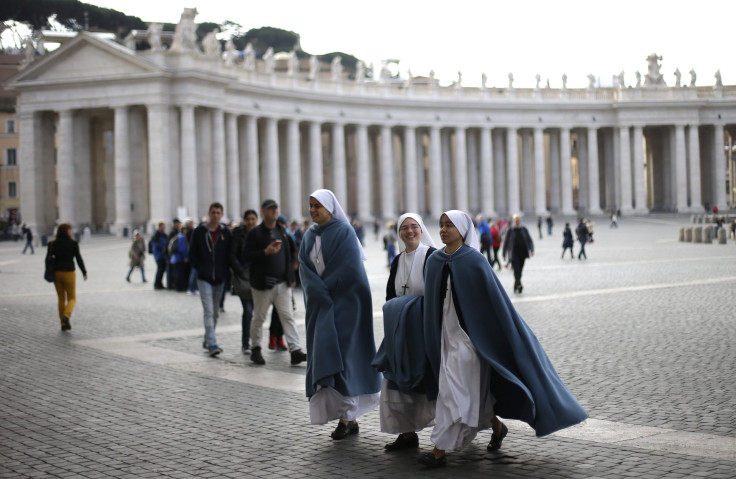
526,38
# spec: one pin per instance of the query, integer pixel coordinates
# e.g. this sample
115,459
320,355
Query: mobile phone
277,242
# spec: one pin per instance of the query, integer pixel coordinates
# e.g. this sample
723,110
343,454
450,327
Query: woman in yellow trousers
62,251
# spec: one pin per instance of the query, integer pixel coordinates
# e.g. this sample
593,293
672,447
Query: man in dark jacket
158,245
241,274
582,232
208,254
271,252
518,246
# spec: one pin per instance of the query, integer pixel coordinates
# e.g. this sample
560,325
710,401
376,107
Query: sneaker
66,324
214,350
246,350
272,342
256,356
298,356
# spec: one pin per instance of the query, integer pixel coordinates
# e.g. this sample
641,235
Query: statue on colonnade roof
185,34
211,44
654,77
693,77
154,36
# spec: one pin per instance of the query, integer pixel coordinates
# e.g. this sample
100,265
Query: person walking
208,254
404,406
341,383
496,238
157,246
582,233
486,240
269,249
567,241
137,255
29,239
178,252
517,247
61,252
389,243
241,275
486,361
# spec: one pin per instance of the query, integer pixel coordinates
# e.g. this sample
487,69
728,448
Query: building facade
9,143
112,138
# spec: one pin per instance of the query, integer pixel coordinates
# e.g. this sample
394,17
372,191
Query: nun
404,407
340,381
487,361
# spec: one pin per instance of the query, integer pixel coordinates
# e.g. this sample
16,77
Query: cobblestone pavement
643,333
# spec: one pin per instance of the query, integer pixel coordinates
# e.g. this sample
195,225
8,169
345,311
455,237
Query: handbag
48,273
241,286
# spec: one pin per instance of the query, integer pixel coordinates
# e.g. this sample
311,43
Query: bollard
722,236
86,234
681,235
698,234
708,234
689,234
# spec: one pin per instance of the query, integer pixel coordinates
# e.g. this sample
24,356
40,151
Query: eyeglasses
410,227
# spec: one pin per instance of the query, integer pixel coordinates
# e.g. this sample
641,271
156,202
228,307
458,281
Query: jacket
210,260
261,266
64,251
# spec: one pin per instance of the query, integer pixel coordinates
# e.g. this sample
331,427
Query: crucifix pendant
316,261
405,287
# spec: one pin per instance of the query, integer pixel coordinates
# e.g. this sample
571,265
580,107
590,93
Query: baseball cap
269,204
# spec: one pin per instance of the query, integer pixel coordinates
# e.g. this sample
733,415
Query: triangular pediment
86,57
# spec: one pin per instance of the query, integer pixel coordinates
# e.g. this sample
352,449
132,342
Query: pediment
86,57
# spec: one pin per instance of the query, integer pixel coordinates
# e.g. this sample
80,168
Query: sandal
496,441
430,460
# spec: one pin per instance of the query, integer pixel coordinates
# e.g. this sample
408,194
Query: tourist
61,253
137,255
517,247
241,275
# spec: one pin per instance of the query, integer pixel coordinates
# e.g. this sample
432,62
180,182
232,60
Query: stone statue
154,36
40,43
591,81
621,82
677,78
654,77
185,35
431,77
638,79
385,73
293,66
459,83
548,85
693,77
511,81
538,77
360,72
230,52
336,68
409,80
484,80
313,68
211,44
268,59
29,50
719,83
129,41
564,81
249,57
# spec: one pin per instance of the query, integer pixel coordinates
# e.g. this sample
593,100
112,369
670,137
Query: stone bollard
689,234
86,234
698,234
722,238
681,235
708,234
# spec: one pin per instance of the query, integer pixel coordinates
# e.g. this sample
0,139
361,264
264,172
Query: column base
121,229
641,211
594,211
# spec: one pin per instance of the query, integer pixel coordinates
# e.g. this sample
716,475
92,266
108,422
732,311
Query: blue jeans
30,243
210,295
193,280
246,320
391,254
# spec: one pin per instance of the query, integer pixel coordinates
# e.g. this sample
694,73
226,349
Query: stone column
83,198
696,205
566,172
472,166
639,189
512,174
233,168
219,170
271,186
435,172
540,190
339,168
680,169
594,205
487,205
31,172
65,174
253,180
296,204
499,161
363,180
410,169
625,170
554,171
527,177
718,171
315,157
461,168
160,196
388,201
122,171
188,161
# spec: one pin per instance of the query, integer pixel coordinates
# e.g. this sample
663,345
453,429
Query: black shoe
66,324
402,442
256,356
496,441
429,460
298,356
343,430
521,288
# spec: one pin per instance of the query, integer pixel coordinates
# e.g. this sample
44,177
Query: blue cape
401,357
339,313
523,381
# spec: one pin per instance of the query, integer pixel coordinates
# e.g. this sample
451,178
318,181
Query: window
11,158
9,126
12,189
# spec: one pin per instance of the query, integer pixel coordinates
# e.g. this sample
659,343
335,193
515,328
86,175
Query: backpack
173,246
